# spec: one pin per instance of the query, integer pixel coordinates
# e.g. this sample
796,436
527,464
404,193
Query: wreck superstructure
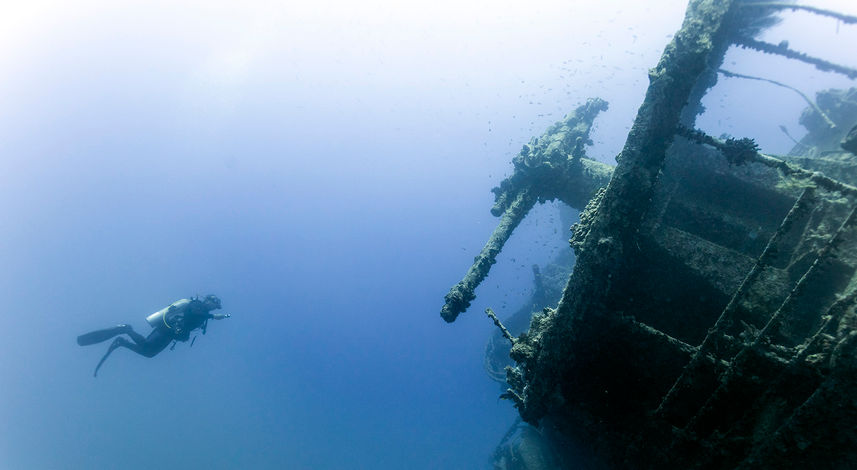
709,321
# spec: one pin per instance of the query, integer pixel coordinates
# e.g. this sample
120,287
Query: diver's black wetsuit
148,346
175,324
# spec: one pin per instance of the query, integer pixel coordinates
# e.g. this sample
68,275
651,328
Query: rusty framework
710,318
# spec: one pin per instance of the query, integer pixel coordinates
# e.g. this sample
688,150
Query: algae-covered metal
709,321
550,167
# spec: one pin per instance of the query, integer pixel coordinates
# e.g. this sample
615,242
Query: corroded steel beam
549,167
613,232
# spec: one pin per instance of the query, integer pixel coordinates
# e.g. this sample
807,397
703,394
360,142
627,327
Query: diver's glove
220,316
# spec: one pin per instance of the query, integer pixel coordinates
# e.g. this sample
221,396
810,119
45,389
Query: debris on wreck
710,320
849,142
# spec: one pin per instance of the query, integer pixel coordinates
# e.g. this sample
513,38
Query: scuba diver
171,324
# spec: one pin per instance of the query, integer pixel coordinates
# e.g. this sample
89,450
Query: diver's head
211,302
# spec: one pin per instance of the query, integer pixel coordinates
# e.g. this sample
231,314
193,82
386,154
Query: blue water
325,171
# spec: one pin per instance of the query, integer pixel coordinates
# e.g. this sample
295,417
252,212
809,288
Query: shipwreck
709,319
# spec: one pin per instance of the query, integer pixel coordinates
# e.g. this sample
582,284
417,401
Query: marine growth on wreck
710,319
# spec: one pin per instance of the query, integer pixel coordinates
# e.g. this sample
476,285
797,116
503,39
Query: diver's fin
115,344
101,335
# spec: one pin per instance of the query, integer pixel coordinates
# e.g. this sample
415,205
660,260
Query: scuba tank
166,316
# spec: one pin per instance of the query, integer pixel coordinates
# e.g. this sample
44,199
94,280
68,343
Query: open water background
325,170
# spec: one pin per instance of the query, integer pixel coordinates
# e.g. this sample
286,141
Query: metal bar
825,182
801,205
461,294
627,198
777,318
783,50
549,167
834,314
847,19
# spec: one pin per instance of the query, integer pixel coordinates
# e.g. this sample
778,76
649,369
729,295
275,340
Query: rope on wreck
811,103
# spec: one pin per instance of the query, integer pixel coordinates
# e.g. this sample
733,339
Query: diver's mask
212,301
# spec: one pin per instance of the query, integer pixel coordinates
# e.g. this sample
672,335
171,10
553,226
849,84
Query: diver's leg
156,342
149,347
137,337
